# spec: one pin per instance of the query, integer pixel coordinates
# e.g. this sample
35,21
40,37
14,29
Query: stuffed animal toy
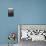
12,36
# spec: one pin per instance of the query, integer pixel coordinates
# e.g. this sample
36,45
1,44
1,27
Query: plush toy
12,36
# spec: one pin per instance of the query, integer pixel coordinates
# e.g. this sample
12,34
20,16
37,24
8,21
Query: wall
26,12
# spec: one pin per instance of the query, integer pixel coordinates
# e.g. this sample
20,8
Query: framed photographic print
10,12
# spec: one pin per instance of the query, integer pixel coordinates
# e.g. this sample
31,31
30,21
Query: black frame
10,12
